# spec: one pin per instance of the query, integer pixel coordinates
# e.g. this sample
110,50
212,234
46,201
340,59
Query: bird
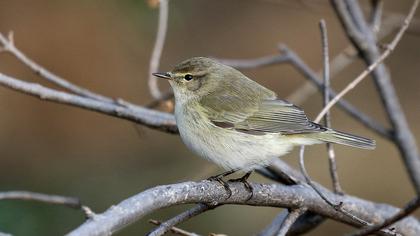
227,118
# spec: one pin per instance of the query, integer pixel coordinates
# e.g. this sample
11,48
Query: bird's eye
188,77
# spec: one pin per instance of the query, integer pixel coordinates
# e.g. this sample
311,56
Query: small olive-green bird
229,119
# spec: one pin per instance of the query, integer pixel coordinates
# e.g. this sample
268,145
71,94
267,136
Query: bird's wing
267,116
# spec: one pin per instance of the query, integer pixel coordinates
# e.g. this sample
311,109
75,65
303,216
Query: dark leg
224,174
243,180
219,179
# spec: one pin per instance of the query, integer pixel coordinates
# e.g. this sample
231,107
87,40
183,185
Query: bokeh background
105,46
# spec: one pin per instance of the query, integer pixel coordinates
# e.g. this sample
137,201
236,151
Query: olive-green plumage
230,119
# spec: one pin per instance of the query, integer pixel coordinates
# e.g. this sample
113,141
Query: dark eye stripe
188,77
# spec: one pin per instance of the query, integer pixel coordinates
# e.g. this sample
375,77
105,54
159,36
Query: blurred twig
289,220
306,222
406,211
47,198
174,229
347,56
7,44
171,223
376,15
364,40
157,49
390,47
337,64
40,197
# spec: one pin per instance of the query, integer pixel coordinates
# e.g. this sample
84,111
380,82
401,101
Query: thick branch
273,195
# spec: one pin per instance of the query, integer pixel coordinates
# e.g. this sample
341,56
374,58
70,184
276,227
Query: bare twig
376,15
306,222
310,182
363,39
169,224
339,207
371,67
40,197
327,119
274,195
349,108
151,118
337,64
289,220
47,198
157,49
174,229
407,210
8,45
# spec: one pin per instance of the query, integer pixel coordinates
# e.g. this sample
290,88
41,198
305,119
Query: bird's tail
334,136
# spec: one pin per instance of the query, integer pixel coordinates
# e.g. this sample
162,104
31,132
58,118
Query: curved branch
151,118
9,46
158,48
273,195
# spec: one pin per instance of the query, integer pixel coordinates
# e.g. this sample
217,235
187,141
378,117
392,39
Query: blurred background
106,45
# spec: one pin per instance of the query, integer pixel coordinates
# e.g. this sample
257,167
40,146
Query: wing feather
269,116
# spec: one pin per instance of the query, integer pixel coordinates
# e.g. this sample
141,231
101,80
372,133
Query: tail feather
333,136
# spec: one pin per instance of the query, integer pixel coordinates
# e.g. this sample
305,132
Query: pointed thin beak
163,75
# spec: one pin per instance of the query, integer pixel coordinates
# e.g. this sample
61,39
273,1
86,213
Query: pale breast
229,149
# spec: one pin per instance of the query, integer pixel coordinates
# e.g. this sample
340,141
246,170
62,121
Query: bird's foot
219,178
247,185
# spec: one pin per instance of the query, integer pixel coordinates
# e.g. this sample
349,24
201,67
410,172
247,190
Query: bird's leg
219,178
224,174
243,180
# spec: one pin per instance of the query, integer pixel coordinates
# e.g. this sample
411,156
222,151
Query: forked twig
8,45
389,48
151,118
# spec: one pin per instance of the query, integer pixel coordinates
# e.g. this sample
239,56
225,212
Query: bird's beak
163,75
